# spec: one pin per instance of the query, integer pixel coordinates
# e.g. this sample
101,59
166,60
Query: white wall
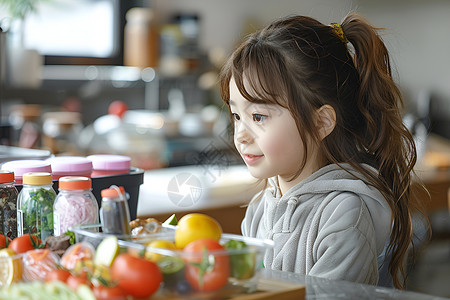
419,41
223,21
418,34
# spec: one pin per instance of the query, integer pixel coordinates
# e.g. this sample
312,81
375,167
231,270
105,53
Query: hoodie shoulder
347,210
342,211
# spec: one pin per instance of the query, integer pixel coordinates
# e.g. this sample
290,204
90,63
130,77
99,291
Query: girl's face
268,140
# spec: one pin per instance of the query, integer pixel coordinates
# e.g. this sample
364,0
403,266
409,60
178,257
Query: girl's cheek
271,144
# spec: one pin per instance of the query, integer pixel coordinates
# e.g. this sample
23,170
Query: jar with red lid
114,211
74,205
8,204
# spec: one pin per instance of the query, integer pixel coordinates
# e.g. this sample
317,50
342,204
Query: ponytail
386,138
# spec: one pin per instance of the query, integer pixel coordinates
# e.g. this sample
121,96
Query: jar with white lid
35,205
74,205
8,204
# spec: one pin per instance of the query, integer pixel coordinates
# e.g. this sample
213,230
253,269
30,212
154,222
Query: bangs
257,72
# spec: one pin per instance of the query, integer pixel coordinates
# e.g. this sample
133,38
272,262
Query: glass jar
114,211
74,205
35,205
8,203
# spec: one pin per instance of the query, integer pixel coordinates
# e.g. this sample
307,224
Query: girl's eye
258,118
236,117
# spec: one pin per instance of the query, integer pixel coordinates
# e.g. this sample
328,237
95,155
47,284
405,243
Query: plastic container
114,211
108,164
8,204
70,166
25,267
35,205
20,167
244,263
74,205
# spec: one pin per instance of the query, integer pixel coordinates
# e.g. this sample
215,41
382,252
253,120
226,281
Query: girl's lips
251,159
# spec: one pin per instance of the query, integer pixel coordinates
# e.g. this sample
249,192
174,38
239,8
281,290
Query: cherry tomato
4,241
57,275
38,262
138,277
216,271
22,244
102,292
74,281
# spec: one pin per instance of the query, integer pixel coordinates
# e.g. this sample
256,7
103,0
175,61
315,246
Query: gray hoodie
329,225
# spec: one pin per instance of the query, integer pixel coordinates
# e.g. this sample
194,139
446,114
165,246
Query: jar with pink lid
74,205
109,164
20,167
70,166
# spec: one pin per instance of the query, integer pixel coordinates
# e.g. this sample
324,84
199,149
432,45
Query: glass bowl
223,271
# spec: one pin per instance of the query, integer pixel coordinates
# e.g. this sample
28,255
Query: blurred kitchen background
139,78
70,69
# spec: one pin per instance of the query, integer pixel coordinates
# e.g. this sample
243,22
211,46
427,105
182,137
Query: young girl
317,113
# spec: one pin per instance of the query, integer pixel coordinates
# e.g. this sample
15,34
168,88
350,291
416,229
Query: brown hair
302,64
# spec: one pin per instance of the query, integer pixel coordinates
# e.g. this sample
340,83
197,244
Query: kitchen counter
221,192
320,288
184,188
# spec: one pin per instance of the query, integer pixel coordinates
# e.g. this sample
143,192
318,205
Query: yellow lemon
10,267
196,226
164,244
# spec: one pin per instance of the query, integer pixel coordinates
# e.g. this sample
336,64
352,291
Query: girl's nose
242,134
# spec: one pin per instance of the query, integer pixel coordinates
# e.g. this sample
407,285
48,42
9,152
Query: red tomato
216,274
38,262
22,244
57,275
74,281
102,292
3,241
138,277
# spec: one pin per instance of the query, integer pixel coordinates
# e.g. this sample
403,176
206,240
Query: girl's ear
325,120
